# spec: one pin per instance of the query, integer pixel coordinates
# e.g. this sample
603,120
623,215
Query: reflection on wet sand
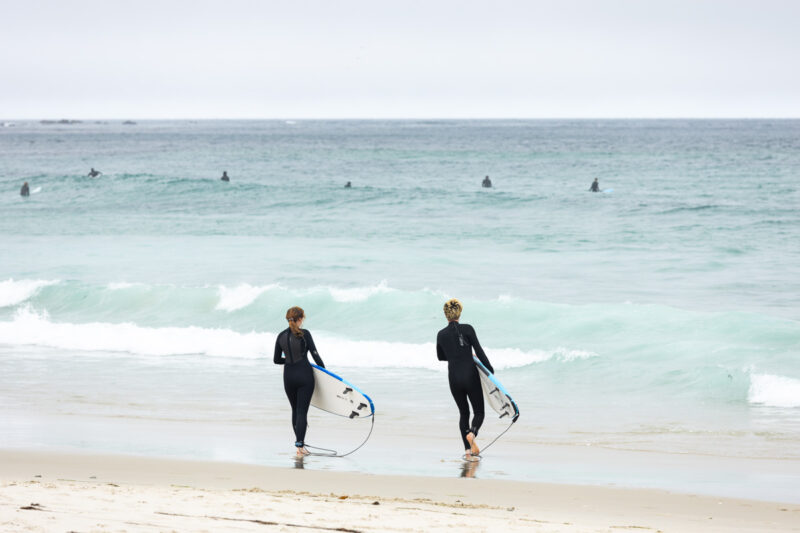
469,467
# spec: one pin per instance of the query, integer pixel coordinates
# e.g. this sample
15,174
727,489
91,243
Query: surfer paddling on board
454,344
291,350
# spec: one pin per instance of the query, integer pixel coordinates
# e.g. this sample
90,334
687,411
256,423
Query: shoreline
106,492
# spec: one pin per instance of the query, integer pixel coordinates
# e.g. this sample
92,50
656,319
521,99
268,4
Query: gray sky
404,59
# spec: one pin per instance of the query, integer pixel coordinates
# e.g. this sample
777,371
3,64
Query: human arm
440,351
312,348
473,338
278,357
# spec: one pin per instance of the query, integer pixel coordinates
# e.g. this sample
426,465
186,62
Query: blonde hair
452,309
293,315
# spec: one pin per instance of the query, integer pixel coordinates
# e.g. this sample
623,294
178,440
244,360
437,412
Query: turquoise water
661,318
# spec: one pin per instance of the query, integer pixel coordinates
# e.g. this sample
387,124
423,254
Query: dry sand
73,492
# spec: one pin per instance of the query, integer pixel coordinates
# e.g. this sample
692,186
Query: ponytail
293,315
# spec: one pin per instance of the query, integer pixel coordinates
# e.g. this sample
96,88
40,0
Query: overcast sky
404,59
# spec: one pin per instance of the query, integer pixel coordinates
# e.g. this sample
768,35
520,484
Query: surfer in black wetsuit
291,349
225,176
486,183
25,190
454,344
595,186
94,173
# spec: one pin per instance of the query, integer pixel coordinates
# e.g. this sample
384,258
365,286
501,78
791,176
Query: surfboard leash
334,453
495,439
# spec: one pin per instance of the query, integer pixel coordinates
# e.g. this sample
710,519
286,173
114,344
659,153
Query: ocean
650,334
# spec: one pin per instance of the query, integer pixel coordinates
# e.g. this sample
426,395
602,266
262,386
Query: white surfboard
339,397
495,394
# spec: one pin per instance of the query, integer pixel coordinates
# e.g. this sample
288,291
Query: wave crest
774,391
16,292
31,328
239,297
359,294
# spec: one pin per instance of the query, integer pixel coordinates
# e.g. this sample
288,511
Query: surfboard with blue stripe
338,396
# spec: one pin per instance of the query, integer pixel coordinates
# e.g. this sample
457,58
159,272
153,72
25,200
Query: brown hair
293,315
452,309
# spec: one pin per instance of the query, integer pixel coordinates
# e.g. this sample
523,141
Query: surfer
454,344
348,185
225,176
94,173
25,190
595,186
291,349
487,183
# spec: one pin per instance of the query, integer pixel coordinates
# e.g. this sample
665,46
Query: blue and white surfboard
496,394
338,396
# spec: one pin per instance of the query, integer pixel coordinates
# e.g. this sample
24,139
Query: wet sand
43,491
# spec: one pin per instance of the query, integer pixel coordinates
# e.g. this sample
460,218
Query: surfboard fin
347,389
353,415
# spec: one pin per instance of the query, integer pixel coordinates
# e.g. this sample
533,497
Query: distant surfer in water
454,344
348,185
94,173
595,186
487,183
25,190
291,350
225,176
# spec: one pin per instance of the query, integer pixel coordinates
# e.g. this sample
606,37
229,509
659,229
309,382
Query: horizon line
95,119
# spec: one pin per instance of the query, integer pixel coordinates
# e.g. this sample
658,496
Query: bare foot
302,452
472,446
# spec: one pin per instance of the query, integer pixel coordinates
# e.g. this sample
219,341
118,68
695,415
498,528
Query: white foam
231,299
15,292
31,328
567,355
774,391
122,285
359,294
381,354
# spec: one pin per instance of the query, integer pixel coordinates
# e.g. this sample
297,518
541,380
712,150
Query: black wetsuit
595,187
25,190
454,344
298,377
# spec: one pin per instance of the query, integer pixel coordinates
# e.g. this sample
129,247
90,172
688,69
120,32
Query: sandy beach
41,491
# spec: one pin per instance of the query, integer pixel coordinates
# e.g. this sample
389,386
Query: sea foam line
359,294
15,292
774,391
244,294
239,297
31,328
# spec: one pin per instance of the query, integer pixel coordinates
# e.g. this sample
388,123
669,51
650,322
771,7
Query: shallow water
138,310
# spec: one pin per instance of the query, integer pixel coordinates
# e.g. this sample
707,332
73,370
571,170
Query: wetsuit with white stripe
454,344
298,376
